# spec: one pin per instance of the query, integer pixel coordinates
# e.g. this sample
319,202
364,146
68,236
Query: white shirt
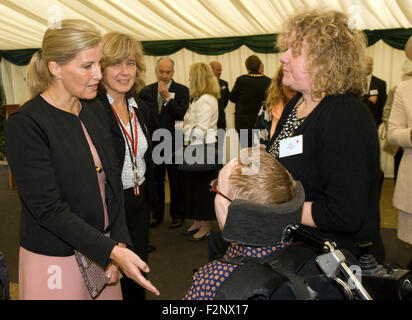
201,120
127,172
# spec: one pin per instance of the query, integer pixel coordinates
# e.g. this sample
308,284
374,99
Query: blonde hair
270,184
274,93
60,45
202,80
118,47
335,56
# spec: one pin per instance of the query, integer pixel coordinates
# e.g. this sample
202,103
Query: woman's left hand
114,273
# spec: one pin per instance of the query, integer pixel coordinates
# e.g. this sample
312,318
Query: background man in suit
224,94
375,98
170,101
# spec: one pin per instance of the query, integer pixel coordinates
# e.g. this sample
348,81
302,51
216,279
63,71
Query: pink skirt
56,278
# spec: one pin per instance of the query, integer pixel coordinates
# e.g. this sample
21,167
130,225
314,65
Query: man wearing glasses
270,185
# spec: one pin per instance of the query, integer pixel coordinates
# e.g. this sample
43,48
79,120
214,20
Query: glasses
213,187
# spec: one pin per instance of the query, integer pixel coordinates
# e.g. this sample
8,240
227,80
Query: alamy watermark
55,17
171,149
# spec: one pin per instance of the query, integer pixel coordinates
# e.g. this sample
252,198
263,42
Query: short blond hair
202,81
60,45
336,52
270,184
118,47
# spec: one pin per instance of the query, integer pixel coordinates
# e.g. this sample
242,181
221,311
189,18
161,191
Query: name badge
172,95
373,92
291,146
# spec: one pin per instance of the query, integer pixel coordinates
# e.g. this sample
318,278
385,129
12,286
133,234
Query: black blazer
174,110
223,101
248,94
54,170
376,88
148,123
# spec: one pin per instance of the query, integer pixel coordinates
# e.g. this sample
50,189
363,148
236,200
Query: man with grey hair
224,94
169,102
375,96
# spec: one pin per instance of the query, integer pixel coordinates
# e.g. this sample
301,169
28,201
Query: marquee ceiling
23,22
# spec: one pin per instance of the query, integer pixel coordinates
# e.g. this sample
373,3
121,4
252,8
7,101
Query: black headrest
256,224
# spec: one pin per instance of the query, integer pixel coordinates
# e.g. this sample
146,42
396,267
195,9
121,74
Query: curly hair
336,52
202,80
118,47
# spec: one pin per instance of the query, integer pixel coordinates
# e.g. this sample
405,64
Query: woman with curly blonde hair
326,137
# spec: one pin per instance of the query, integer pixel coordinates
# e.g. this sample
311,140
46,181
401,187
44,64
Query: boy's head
255,176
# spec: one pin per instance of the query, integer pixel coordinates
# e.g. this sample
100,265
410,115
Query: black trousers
176,191
137,220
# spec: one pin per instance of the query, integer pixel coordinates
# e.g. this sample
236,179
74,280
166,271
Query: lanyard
133,143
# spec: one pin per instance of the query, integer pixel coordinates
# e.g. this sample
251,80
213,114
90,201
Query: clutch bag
93,274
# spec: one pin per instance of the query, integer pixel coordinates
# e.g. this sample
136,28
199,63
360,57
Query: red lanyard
130,138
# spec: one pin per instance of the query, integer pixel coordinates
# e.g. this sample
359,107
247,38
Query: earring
58,77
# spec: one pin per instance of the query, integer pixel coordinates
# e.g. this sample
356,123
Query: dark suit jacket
50,159
148,124
222,103
376,88
174,110
248,94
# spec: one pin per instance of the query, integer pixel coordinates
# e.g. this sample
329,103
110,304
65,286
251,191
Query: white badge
291,146
172,95
373,92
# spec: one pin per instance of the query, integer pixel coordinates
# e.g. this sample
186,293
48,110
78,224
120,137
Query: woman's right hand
131,264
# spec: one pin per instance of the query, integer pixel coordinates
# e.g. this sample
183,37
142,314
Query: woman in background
60,153
277,96
199,128
131,126
400,134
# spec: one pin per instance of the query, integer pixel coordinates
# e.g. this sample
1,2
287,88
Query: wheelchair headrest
255,224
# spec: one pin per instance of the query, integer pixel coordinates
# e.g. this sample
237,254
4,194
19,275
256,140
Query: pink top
44,277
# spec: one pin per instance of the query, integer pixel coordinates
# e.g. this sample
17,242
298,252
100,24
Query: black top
248,94
339,169
52,164
223,101
377,88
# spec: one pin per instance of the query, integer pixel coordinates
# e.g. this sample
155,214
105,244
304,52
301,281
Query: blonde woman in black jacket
60,153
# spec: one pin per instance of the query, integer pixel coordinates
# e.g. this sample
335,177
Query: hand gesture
163,90
131,264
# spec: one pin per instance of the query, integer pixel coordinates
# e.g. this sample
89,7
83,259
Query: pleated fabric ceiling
23,22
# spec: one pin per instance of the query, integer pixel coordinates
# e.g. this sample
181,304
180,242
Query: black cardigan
248,94
339,169
54,170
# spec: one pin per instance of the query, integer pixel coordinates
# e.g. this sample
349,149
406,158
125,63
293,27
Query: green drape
395,38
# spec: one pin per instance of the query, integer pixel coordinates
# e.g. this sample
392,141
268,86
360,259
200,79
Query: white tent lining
152,20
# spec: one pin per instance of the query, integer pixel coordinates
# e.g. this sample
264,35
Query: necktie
160,103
